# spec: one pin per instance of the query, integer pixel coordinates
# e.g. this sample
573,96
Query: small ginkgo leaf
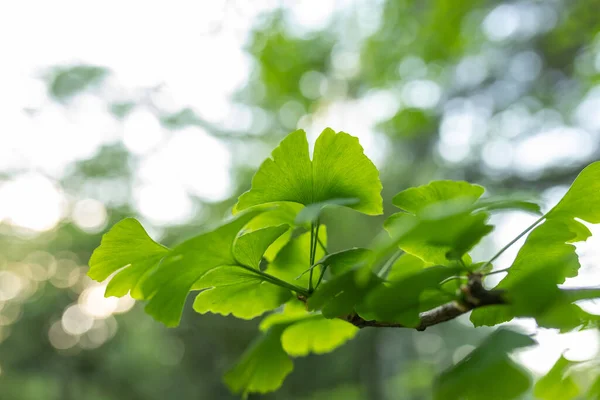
128,248
416,199
248,248
487,373
339,170
263,366
316,335
557,384
438,239
233,290
280,213
583,197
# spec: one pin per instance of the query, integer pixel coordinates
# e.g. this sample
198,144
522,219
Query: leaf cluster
271,257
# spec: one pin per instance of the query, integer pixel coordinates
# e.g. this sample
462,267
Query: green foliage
274,252
127,248
487,372
339,170
67,82
263,367
233,290
547,258
402,300
316,335
557,384
439,223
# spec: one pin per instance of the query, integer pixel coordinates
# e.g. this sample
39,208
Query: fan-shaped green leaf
169,285
234,290
339,170
437,240
316,335
583,198
414,200
548,243
128,248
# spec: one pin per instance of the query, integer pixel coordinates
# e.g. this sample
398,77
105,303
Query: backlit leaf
548,245
233,290
316,335
248,249
414,200
339,170
168,286
128,248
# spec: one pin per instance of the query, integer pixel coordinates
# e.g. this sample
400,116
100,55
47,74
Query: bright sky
146,43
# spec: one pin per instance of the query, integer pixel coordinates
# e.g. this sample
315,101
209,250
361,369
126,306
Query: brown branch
474,296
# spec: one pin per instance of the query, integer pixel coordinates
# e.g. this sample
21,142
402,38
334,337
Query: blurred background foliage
499,93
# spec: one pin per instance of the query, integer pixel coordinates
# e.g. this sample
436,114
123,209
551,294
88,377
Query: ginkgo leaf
169,285
557,384
400,301
280,213
583,197
436,239
548,243
487,373
248,248
263,366
339,170
416,199
294,310
233,290
128,248
544,261
316,335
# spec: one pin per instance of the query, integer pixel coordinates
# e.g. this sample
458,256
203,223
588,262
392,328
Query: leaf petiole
519,236
276,281
388,264
314,239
